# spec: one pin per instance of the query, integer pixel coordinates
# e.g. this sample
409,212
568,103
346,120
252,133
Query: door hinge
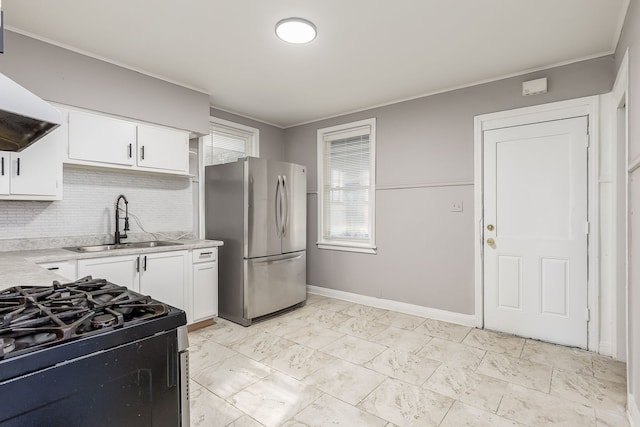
587,314
587,227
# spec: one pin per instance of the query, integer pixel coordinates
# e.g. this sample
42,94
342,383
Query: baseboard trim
604,348
402,307
633,413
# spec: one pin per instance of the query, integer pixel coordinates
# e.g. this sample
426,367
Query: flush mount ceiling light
296,30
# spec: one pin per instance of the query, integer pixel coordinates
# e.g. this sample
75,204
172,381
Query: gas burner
103,321
7,345
32,317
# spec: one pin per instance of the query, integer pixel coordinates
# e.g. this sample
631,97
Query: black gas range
91,353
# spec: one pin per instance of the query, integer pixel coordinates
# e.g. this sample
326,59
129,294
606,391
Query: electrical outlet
456,206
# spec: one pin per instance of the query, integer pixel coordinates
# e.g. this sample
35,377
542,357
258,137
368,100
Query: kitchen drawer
66,269
205,255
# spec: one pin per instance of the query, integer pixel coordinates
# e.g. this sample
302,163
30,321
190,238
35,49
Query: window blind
347,185
225,145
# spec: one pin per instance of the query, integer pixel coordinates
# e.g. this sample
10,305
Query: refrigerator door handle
278,206
285,211
279,261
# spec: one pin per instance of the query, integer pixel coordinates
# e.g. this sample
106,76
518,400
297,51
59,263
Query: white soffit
366,52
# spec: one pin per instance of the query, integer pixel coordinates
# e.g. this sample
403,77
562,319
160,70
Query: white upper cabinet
162,148
99,140
34,173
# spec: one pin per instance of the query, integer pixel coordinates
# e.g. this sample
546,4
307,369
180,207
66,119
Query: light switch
456,206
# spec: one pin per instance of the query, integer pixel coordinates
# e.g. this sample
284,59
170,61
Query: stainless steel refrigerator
258,208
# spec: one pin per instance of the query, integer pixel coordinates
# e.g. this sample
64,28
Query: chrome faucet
119,236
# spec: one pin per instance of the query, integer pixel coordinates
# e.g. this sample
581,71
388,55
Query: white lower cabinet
120,270
205,284
169,277
66,269
164,275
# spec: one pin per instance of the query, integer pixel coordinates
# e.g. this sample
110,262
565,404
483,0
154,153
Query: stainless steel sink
128,245
152,244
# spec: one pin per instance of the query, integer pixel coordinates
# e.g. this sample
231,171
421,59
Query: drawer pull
205,254
53,268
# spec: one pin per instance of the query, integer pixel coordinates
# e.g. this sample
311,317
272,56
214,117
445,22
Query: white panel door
161,148
535,236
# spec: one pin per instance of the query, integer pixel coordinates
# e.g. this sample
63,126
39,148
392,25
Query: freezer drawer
274,283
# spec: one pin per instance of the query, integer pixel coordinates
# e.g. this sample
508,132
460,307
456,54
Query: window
346,187
228,141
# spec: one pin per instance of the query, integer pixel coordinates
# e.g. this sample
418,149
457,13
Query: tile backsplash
161,202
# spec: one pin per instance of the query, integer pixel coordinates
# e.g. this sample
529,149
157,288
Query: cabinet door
37,170
121,270
205,291
164,276
161,148
101,139
5,160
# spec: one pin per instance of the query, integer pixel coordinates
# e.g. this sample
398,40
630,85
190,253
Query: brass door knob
490,241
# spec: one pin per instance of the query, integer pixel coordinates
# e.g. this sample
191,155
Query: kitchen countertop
20,268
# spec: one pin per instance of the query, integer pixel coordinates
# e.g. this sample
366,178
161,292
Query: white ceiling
367,52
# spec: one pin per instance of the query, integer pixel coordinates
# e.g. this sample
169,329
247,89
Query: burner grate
33,317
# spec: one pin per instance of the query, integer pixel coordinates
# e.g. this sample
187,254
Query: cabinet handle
18,167
137,265
144,263
3,166
53,268
205,254
142,153
130,150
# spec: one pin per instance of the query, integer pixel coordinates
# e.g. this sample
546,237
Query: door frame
588,106
620,155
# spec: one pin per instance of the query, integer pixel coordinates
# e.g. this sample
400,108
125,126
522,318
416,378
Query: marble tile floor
335,363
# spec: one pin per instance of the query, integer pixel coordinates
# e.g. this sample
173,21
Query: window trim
254,145
368,248
255,152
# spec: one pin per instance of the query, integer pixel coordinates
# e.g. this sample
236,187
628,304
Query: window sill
348,248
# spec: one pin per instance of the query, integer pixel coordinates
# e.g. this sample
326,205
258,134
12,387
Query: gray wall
425,254
630,39
271,137
63,76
